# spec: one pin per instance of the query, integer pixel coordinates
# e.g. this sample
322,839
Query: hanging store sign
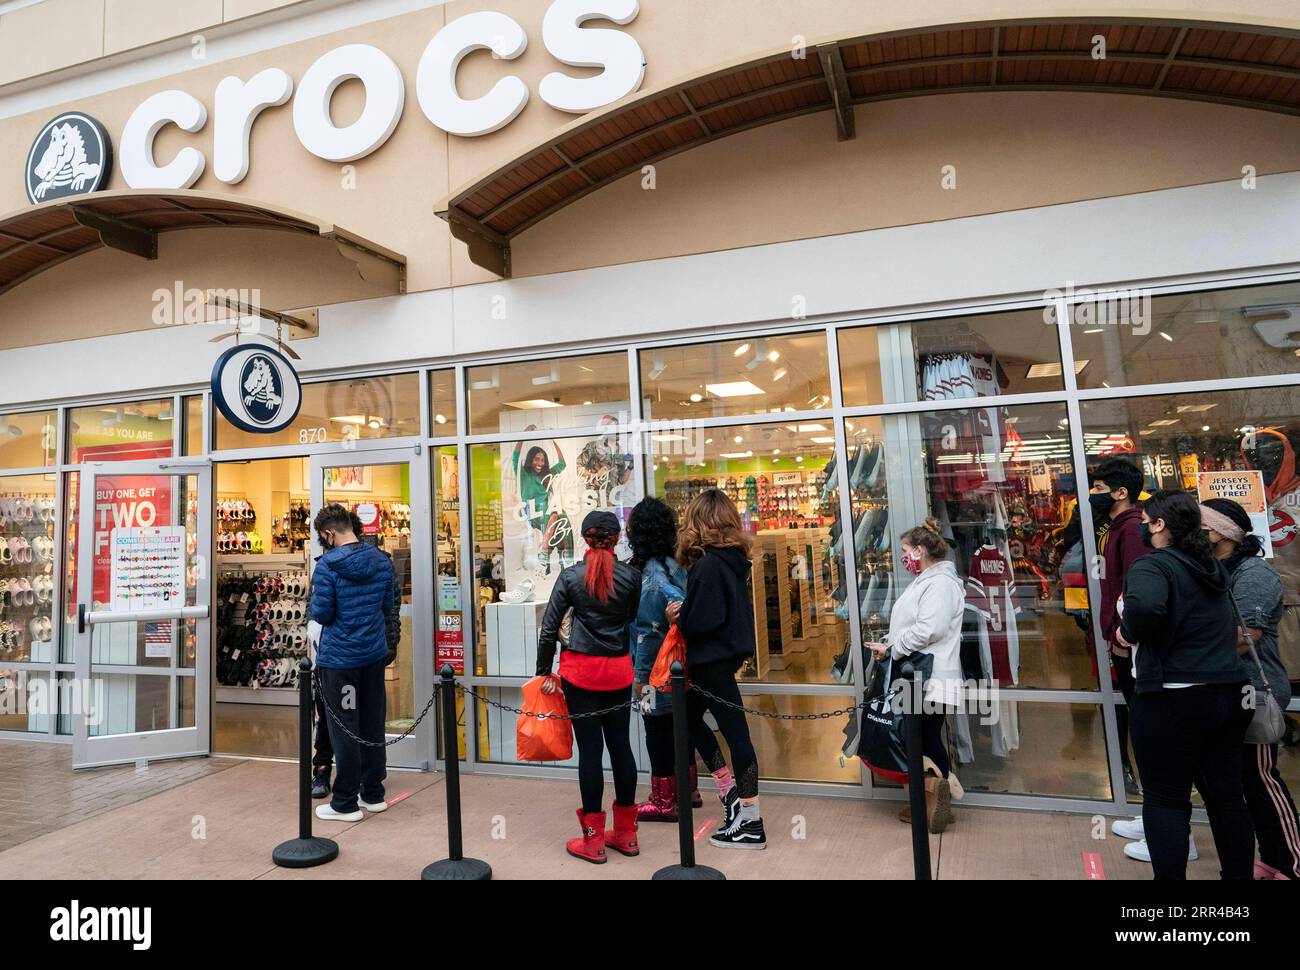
256,388
72,155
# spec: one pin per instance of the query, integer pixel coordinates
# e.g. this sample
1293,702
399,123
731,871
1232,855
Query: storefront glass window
339,411
976,356
1133,338
442,403
554,393
1207,442
192,426
25,701
782,479
27,557
1002,487
137,431
28,440
758,375
529,499
451,628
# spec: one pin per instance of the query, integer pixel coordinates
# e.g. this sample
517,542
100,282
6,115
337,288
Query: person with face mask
1257,592
1188,719
1116,485
926,619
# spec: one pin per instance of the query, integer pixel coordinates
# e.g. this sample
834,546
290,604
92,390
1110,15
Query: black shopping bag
883,743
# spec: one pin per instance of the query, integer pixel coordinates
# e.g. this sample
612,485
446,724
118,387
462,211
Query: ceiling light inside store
668,437
1166,336
799,458
440,419
823,441
532,404
737,454
738,439
1205,427
740,351
374,424
1194,408
1053,370
586,404
776,451
780,373
697,397
357,419
1095,330
734,389
773,356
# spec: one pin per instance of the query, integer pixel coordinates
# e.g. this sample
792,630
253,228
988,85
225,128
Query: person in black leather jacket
596,674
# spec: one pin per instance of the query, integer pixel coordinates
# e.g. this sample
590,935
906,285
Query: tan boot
938,805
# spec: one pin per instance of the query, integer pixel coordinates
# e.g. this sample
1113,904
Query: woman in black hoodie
717,620
1188,721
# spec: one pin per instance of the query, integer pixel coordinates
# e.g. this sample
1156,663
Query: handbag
1268,726
882,738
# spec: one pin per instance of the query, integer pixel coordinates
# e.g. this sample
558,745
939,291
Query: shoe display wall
26,575
261,627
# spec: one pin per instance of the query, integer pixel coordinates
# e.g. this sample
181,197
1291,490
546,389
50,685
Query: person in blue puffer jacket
652,534
353,598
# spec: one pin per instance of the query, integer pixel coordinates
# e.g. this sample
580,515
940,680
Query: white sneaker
374,808
520,594
327,814
1140,852
1128,828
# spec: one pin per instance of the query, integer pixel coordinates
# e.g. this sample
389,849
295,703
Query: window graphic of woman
536,476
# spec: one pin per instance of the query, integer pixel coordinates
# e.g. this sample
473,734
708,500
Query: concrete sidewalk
224,826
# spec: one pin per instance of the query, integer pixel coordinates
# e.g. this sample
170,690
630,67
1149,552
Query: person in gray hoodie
1257,591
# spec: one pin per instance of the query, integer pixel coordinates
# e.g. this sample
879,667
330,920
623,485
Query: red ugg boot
696,800
662,806
622,837
591,847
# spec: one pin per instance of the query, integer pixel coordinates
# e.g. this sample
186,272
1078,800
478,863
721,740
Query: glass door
389,492
142,689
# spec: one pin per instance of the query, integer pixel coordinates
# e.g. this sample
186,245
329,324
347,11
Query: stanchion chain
316,685
821,716
546,717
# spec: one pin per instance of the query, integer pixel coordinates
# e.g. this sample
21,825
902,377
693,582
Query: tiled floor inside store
211,819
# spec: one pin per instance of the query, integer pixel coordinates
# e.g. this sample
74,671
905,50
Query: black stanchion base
687,874
305,853
465,870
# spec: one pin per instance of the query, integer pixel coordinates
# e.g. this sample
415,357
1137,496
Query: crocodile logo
71,156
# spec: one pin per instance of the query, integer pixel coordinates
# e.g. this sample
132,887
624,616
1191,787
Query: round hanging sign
256,388
72,155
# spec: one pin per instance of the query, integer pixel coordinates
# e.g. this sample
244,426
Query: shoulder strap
1250,642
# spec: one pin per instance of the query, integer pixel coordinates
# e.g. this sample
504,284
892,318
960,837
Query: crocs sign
237,102
71,156
257,389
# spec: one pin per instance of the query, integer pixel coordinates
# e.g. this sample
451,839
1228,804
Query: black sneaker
730,808
741,834
320,785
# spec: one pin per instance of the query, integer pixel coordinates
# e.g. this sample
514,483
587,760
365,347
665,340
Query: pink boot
662,806
1266,873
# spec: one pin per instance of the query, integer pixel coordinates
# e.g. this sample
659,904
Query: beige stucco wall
786,181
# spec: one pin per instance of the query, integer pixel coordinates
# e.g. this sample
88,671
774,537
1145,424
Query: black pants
596,734
932,740
1271,808
720,679
659,743
322,759
1186,736
1124,681
357,698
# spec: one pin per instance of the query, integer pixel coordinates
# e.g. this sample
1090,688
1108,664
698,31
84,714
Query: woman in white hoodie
926,619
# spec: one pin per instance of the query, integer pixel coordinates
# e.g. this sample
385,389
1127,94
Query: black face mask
1146,535
1101,503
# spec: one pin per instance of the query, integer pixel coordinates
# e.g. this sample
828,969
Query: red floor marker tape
399,797
704,828
1092,868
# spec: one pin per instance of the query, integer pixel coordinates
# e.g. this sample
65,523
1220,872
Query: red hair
600,563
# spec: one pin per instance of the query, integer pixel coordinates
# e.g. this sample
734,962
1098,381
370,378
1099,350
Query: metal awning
40,237
1251,67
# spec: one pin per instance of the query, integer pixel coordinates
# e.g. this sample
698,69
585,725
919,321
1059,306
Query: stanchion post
306,850
687,869
916,784
455,866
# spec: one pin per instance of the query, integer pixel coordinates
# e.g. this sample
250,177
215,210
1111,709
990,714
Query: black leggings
659,742
1124,681
719,678
932,739
1186,736
596,734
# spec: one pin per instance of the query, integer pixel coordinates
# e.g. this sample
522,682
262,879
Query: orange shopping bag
543,738
673,648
